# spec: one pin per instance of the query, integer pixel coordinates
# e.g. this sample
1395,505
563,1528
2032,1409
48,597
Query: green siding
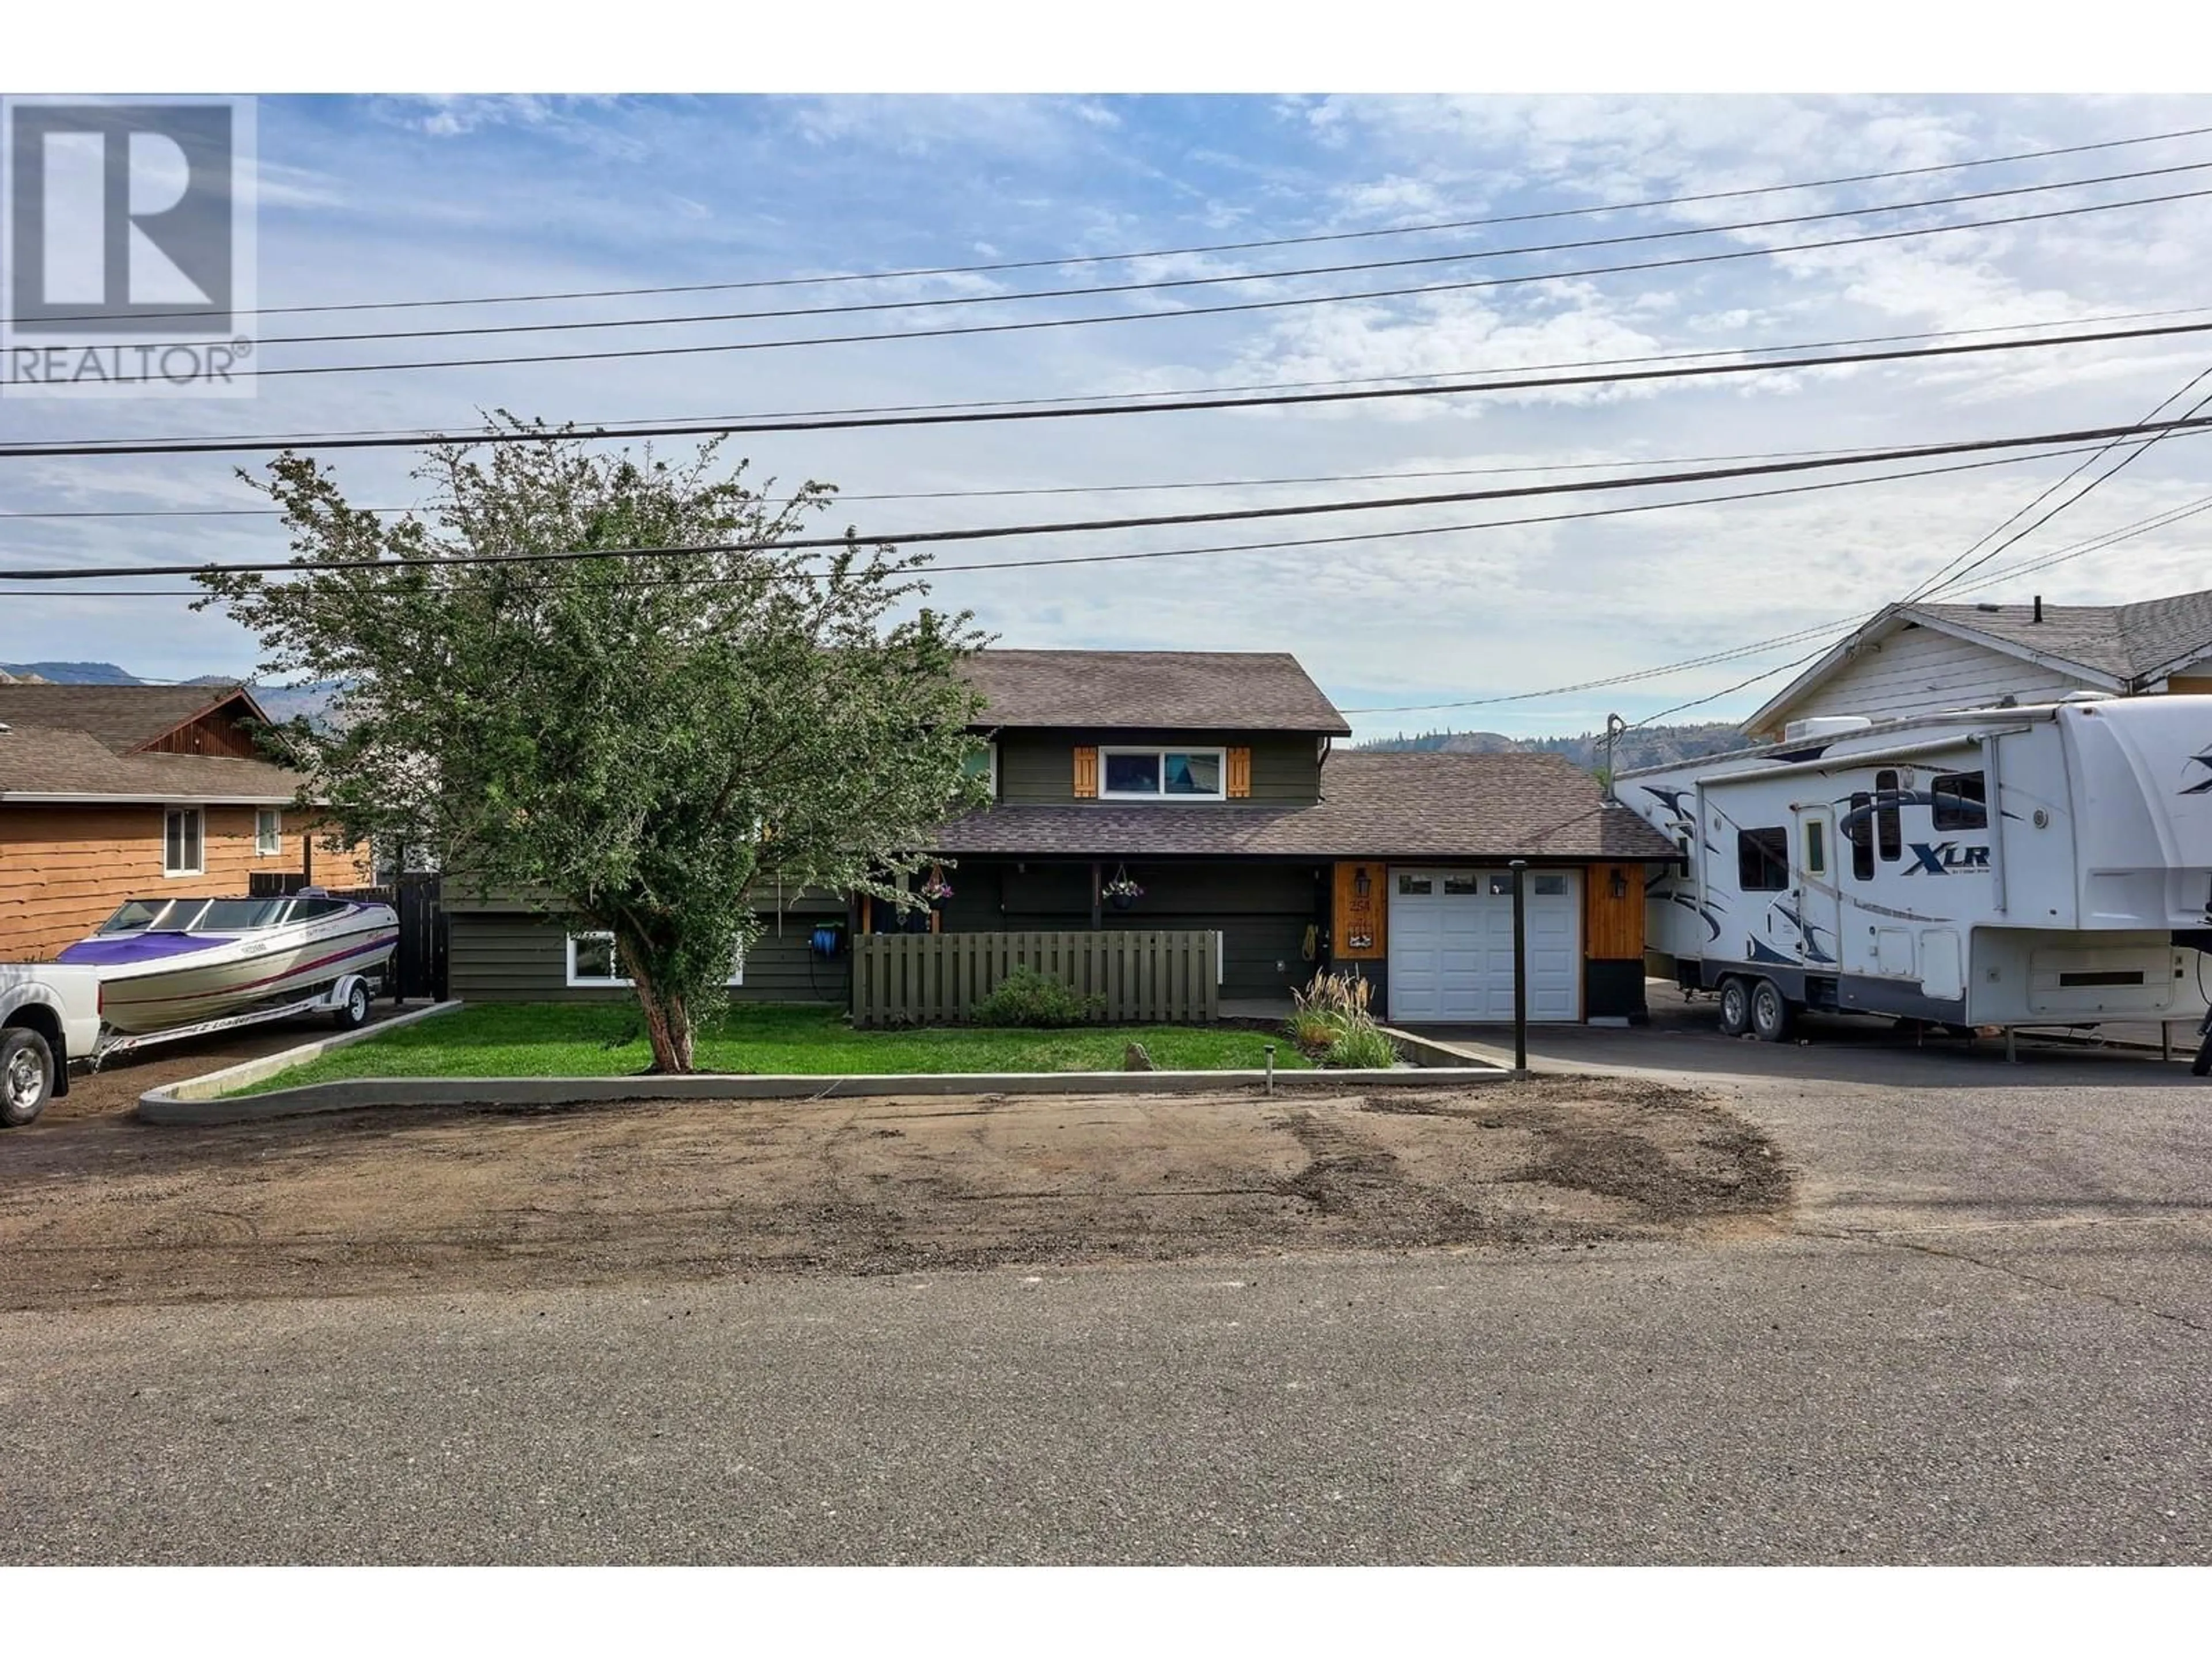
1261,909
1040,766
513,957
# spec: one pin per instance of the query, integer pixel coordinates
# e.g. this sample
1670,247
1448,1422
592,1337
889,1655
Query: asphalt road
1984,1335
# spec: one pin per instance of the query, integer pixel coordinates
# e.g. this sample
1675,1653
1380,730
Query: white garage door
1451,944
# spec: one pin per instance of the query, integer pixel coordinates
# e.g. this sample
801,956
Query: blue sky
380,199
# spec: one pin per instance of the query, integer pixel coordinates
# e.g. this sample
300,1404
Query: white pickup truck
50,1020
48,1012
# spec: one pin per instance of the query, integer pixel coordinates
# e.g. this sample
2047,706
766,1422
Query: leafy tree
632,741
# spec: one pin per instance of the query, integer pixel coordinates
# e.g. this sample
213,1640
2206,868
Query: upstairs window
1162,773
182,837
982,763
1958,800
268,833
1762,860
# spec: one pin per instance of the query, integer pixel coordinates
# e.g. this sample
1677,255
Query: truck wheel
1770,1012
1736,1007
2202,1065
353,1012
26,1076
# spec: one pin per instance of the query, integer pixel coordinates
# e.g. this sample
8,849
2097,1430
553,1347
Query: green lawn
595,1040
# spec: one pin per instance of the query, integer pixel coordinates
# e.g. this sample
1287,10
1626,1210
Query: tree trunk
668,1021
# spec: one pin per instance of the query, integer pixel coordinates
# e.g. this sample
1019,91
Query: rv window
1816,848
1762,860
1859,831
1958,801
1889,822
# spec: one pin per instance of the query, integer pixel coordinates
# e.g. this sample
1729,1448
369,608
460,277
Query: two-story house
109,793
1212,782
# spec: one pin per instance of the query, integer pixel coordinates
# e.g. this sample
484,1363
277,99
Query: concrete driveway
1985,1334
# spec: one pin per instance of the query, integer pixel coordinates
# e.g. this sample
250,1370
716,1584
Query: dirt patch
102,1209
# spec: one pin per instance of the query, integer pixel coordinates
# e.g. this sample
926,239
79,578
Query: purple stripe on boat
113,952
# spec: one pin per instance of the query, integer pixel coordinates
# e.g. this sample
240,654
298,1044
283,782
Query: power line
1285,303
1660,671
730,428
1002,265
2092,544
2042,441
644,426
1148,554
1163,283
1040,489
2134,455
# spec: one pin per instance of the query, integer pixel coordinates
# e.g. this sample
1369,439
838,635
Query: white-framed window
268,832
983,764
593,961
183,841
1163,774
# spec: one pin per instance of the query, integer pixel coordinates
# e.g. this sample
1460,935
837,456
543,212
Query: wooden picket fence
1168,977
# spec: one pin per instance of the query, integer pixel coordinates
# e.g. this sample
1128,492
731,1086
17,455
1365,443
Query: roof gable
1201,690
125,718
2117,647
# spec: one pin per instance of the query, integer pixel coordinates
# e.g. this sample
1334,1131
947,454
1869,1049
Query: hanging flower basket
1123,891
936,889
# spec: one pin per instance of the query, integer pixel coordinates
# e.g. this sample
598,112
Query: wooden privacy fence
1138,976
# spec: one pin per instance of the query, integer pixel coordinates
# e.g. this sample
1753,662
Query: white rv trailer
2037,866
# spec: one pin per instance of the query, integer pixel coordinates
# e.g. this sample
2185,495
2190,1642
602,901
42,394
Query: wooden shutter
1086,772
1240,774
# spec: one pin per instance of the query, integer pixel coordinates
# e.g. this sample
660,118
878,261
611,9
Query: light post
1520,868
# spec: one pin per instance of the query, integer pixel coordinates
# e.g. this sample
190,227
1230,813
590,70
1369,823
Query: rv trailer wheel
1770,1012
1736,1007
26,1076
2202,1065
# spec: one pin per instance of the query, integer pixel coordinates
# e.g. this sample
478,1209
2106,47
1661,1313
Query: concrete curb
170,1107
252,1071
1435,1052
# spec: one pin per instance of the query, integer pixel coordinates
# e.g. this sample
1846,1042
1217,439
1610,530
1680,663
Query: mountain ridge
1638,747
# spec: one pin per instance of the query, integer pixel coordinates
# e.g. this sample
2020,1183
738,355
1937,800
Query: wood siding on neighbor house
1922,671
215,732
63,870
1048,766
511,957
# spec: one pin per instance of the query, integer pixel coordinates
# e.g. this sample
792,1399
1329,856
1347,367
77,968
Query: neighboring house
110,792
1210,779
1923,658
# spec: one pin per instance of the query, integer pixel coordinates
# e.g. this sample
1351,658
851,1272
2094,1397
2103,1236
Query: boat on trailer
166,962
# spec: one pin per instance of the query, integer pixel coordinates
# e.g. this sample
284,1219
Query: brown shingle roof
1206,690
120,716
79,742
1375,805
